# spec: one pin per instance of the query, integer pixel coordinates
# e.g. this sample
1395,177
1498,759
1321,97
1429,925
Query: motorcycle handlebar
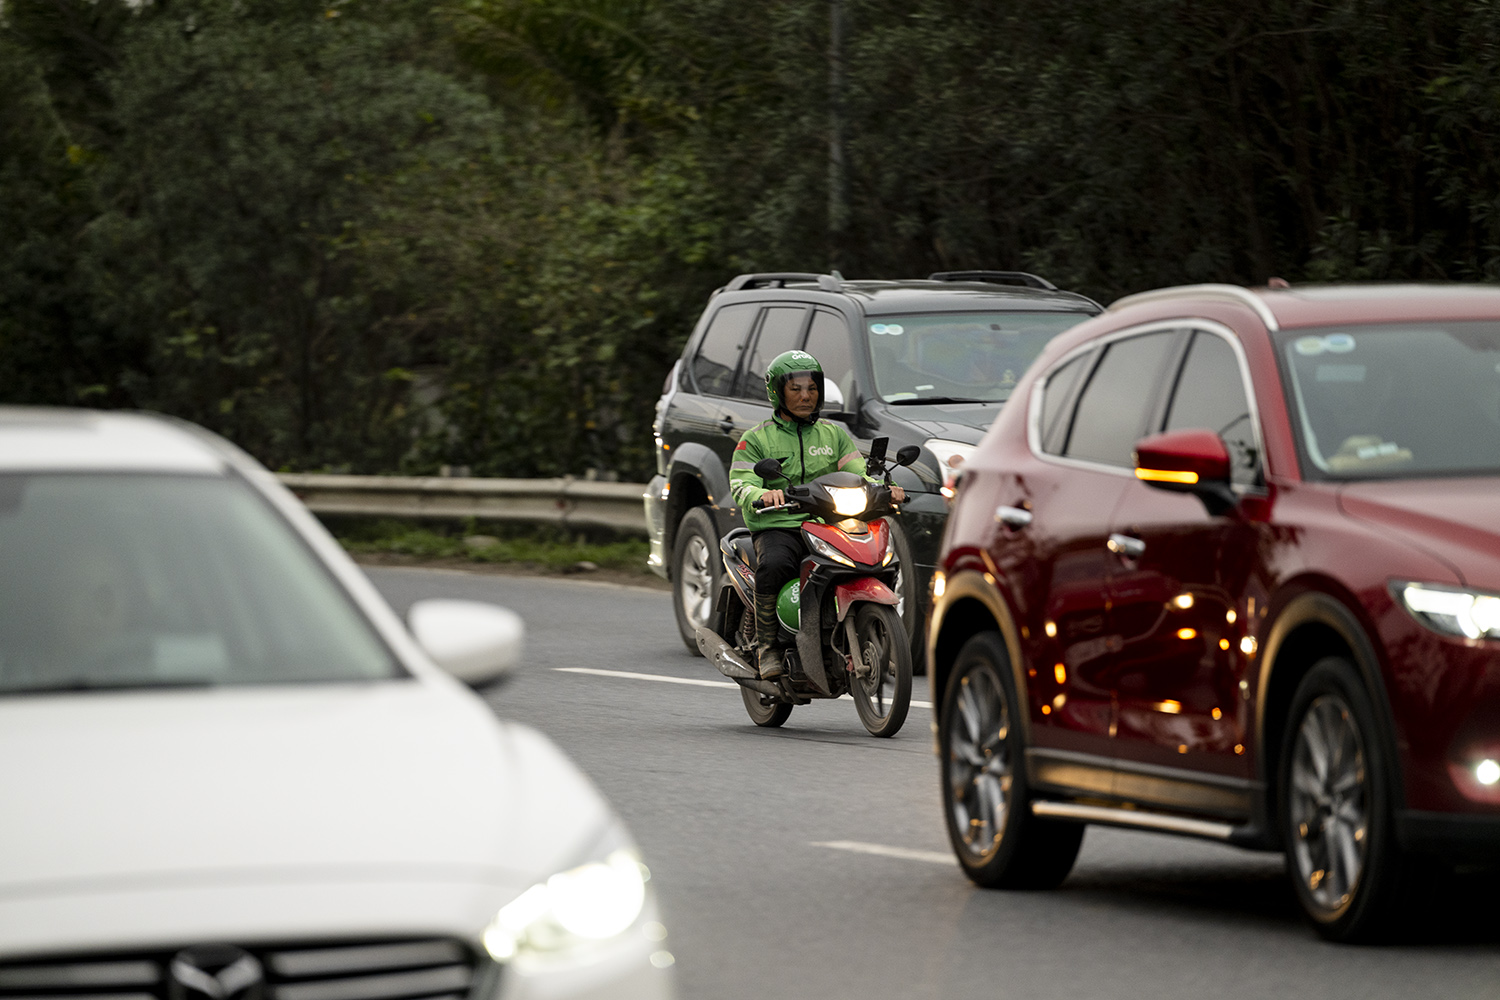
793,504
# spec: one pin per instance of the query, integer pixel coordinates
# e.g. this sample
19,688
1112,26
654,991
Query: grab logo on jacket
821,449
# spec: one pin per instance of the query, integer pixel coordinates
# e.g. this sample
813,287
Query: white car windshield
121,581
958,356
1397,400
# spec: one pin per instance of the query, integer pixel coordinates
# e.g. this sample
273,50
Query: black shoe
772,665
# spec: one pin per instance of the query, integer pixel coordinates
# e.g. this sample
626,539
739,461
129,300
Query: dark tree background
388,235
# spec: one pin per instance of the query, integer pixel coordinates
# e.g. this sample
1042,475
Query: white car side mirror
477,643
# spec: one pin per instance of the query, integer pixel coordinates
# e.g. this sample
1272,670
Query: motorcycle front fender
866,588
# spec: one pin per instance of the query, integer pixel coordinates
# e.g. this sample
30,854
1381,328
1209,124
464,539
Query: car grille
432,969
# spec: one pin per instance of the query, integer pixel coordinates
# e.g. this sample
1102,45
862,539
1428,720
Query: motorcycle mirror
908,454
768,468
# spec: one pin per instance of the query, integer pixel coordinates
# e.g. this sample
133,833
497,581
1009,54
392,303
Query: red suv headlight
1465,613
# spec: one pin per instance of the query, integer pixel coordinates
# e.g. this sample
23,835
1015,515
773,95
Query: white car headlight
573,909
848,500
951,456
1452,612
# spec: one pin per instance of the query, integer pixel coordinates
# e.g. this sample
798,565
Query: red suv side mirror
1190,461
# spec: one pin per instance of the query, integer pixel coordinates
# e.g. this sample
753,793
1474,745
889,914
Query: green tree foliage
588,53
388,236
245,238
1111,145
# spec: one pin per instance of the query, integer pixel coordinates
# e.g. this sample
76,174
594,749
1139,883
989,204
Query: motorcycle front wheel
882,693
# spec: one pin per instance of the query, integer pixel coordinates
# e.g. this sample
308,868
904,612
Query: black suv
923,362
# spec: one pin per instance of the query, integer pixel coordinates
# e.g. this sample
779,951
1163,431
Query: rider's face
800,395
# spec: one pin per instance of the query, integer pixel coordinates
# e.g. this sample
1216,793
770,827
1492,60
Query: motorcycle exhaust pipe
763,687
725,660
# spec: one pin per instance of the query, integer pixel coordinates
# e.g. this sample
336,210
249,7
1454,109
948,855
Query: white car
229,772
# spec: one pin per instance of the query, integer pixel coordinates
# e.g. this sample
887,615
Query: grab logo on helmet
802,356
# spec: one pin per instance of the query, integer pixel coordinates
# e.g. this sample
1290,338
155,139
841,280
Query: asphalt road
811,861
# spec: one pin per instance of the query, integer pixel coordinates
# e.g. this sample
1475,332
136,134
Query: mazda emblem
215,972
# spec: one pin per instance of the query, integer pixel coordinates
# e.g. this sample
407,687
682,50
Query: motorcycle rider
807,448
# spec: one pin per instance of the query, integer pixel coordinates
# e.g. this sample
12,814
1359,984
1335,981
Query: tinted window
1211,394
780,331
142,580
719,353
828,341
1112,412
1055,394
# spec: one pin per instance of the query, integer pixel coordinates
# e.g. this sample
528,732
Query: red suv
1229,566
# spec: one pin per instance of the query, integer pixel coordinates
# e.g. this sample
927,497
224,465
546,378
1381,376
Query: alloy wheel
980,769
1329,803
697,581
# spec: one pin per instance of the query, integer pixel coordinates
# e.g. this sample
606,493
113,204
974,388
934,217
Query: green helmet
783,367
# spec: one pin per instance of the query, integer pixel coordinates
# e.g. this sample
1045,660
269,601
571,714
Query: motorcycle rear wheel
766,716
883,698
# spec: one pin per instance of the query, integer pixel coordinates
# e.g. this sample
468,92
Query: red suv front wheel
986,801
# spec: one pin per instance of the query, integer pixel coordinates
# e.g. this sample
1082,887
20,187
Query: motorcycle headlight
571,911
1470,614
848,500
951,456
822,548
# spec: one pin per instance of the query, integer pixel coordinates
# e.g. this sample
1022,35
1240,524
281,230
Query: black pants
778,558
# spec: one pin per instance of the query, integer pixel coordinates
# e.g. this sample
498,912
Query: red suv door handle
1014,518
1124,545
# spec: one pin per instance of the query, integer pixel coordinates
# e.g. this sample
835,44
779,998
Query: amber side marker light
1167,476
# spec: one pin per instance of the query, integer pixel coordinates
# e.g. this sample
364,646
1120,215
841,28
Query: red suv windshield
1395,401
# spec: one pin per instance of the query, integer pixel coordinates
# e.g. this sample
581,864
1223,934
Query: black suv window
780,331
828,341
719,353
1210,393
1112,412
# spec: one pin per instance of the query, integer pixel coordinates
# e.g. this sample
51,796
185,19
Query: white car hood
396,806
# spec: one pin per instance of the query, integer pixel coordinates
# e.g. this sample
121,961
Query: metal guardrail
570,502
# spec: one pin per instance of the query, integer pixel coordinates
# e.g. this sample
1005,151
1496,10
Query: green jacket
806,452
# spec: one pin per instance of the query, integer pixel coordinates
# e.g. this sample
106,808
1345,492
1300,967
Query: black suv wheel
695,574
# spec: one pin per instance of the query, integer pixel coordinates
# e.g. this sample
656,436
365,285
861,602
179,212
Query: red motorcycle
840,613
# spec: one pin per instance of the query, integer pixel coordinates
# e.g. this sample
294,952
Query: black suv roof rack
780,279
995,278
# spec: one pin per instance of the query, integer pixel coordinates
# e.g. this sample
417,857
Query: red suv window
1115,405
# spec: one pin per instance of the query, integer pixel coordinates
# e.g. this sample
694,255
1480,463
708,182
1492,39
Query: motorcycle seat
738,545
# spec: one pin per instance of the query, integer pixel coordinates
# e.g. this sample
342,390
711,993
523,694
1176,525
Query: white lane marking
881,850
627,675
632,676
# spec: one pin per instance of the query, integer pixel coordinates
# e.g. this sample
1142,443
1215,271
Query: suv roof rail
780,279
1214,292
995,278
